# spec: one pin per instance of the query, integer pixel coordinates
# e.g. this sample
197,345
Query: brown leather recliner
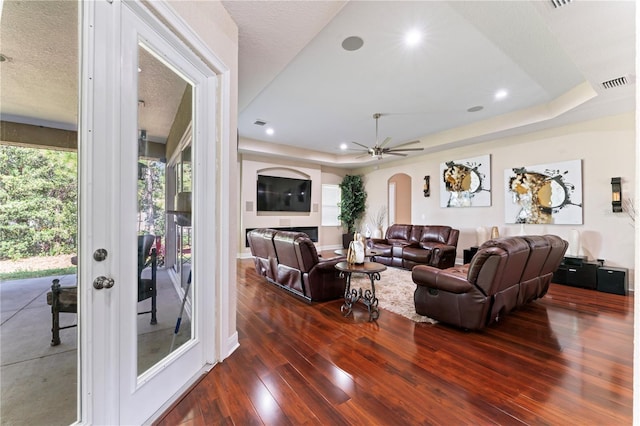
290,260
264,254
405,246
504,274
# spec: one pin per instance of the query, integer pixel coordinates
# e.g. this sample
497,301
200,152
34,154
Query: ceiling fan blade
395,153
404,144
403,149
384,142
363,155
359,144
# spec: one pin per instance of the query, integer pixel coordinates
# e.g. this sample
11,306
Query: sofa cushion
416,254
435,233
283,242
261,244
416,234
399,233
381,249
306,253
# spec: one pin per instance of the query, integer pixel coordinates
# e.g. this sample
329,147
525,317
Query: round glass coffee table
352,295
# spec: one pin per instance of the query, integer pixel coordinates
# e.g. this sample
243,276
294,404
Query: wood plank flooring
564,359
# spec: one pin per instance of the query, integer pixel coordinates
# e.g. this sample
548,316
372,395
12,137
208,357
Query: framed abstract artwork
466,183
545,193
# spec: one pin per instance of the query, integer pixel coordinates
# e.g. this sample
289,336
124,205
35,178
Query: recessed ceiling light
413,37
352,43
343,146
270,131
501,94
475,108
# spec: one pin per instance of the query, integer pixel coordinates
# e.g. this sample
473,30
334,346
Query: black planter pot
346,239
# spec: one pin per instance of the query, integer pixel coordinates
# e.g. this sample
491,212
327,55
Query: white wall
251,166
607,149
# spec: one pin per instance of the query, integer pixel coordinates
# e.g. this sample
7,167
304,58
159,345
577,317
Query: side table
467,254
352,295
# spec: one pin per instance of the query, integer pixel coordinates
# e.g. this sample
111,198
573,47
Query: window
331,195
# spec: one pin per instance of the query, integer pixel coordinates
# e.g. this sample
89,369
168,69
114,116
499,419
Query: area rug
394,292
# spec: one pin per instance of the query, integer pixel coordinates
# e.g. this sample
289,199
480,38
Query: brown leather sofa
290,260
505,273
405,246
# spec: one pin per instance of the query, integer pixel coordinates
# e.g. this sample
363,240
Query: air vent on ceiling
260,122
617,82
560,3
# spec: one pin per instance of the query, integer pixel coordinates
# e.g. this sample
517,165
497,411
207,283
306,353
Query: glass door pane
164,210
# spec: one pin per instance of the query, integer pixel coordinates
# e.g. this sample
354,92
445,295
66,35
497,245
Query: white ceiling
294,74
552,62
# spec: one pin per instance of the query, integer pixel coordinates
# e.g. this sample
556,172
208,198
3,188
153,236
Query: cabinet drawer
612,280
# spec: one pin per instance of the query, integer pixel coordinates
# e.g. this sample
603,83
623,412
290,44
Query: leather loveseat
290,260
505,273
406,246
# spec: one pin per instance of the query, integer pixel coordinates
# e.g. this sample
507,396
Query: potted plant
352,205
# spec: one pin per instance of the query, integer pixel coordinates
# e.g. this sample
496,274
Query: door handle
103,282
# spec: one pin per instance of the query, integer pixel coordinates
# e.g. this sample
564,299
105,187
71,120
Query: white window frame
331,196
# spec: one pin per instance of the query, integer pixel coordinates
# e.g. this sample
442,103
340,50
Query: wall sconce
616,195
427,188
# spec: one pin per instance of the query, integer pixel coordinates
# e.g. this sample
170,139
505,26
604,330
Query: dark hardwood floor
564,359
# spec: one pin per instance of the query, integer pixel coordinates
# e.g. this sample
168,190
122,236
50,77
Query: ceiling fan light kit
379,149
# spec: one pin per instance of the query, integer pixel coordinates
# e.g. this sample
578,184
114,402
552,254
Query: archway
399,198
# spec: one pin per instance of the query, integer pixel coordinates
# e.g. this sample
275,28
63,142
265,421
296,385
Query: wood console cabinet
577,272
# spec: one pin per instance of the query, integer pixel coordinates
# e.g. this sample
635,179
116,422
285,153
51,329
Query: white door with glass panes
149,314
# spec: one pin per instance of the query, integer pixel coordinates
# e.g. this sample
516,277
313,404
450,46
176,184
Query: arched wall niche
285,172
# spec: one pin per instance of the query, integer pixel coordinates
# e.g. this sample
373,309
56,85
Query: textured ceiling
39,79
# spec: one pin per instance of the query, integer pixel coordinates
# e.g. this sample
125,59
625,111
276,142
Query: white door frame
110,391
392,203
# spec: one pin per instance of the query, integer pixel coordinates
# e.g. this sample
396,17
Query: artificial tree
352,204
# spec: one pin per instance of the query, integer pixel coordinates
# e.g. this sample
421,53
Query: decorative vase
355,254
494,232
522,231
367,233
481,235
574,242
377,233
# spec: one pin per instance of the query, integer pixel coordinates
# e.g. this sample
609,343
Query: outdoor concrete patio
39,381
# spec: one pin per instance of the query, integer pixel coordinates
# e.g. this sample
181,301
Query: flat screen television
278,194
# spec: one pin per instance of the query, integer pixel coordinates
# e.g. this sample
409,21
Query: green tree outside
38,202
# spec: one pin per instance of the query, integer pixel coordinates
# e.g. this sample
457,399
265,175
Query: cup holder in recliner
433,291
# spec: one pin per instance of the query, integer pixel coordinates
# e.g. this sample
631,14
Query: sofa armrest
429,276
372,241
337,258
443,256
330,263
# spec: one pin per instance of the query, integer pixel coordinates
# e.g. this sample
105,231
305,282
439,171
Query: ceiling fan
379,149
